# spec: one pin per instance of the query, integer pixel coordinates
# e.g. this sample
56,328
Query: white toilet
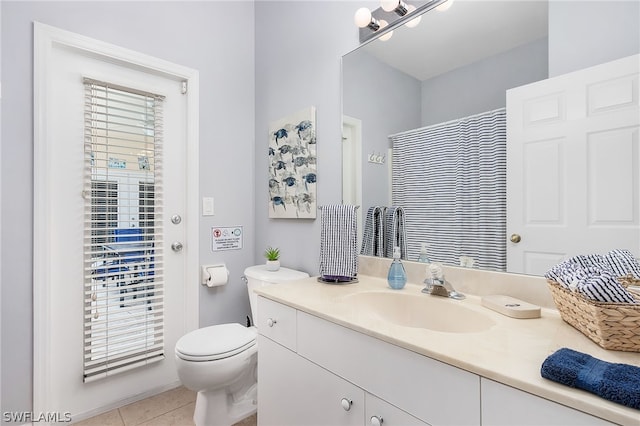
219,362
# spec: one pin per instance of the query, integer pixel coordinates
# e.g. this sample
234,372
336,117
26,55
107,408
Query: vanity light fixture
364,19
415,21
392,14
445,6
386,36
397,6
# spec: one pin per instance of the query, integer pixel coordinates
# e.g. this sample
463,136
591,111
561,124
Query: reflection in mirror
459,64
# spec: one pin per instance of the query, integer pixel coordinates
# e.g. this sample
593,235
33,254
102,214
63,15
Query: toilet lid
215,342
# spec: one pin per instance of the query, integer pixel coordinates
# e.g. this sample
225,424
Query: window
123,280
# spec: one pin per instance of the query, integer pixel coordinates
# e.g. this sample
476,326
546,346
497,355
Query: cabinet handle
346,404
271,322
376,421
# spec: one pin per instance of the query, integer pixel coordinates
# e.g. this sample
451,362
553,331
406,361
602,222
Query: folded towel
618,383
623,262
592,277
373,235
603,286
394,232
339,241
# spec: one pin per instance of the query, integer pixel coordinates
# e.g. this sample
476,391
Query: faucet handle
434,270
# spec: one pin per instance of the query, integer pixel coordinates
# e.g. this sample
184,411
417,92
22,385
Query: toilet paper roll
218,275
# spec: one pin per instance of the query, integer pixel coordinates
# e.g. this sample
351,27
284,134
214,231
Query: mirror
459,63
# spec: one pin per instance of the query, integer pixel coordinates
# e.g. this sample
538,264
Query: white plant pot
273,265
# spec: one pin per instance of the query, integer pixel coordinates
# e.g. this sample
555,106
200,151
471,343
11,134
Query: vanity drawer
430,390
376,409
277,322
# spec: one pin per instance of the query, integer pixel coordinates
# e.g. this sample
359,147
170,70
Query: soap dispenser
397,276
423,258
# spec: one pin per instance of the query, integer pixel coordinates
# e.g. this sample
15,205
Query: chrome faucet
437,285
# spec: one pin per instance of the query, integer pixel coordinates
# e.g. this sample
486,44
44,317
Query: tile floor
173,407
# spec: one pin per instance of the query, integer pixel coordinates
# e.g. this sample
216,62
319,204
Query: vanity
364,354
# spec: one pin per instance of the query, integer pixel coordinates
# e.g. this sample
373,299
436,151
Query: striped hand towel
373,237
592,278
622,262
394,232
338,241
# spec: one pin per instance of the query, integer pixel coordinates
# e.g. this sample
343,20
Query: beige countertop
510,352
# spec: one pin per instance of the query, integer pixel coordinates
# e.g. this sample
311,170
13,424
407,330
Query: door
578,130
59,261
352,167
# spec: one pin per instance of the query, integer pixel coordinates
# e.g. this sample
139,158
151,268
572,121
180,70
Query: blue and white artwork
292,166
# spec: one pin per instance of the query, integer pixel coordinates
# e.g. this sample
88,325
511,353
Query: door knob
176,246
515,238
376,421
346,404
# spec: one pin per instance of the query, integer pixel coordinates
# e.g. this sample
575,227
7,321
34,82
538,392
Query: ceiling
467,32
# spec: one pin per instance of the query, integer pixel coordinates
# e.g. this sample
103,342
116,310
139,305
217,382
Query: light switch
207,206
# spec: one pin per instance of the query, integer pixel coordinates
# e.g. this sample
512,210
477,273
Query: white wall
216,38
251,74
299,46
586,33
387,101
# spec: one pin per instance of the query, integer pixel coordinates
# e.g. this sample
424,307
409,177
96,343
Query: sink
420,311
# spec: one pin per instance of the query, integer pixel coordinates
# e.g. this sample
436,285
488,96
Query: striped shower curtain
451,180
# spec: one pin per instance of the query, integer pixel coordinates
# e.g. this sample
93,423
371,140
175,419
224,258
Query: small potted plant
273,258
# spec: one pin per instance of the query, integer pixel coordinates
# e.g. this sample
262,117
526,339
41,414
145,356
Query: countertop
510,352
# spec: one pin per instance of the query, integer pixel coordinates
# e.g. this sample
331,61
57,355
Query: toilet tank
258,276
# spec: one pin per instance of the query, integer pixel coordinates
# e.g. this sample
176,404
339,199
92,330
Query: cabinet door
430,390
504,405
379,412
293,391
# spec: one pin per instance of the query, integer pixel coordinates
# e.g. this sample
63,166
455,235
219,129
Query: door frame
46,38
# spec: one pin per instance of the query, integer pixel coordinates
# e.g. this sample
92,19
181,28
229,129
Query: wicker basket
614,326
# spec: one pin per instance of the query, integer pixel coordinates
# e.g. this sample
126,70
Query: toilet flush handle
271,322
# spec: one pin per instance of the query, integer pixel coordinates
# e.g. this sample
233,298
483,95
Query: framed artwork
292,166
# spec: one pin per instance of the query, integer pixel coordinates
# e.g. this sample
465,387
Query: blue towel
615,382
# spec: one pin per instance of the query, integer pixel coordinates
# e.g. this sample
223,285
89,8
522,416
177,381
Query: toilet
219,362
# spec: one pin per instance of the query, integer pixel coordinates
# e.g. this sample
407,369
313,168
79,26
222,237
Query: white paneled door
62,61
573,161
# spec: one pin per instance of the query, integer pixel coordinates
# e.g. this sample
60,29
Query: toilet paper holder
214,275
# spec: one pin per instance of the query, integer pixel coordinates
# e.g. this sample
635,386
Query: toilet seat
215,342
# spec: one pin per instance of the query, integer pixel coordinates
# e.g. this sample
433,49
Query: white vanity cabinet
331,375
315,372
294,391
504,405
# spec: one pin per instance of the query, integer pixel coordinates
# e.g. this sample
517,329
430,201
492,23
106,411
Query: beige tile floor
173,407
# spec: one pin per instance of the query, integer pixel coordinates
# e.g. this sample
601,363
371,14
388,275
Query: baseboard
125,401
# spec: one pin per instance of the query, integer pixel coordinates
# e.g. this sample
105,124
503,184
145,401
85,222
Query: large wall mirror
460,63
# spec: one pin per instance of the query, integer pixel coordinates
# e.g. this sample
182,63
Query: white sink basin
420,311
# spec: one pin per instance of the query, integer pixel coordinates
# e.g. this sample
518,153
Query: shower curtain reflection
450,178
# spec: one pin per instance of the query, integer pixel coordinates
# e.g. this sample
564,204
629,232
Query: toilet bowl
219,362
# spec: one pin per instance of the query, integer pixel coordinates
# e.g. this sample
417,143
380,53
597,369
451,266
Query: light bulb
385,36
389,5
362,17
444,6
415,21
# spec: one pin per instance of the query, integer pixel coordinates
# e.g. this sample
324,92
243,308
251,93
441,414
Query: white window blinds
123,280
